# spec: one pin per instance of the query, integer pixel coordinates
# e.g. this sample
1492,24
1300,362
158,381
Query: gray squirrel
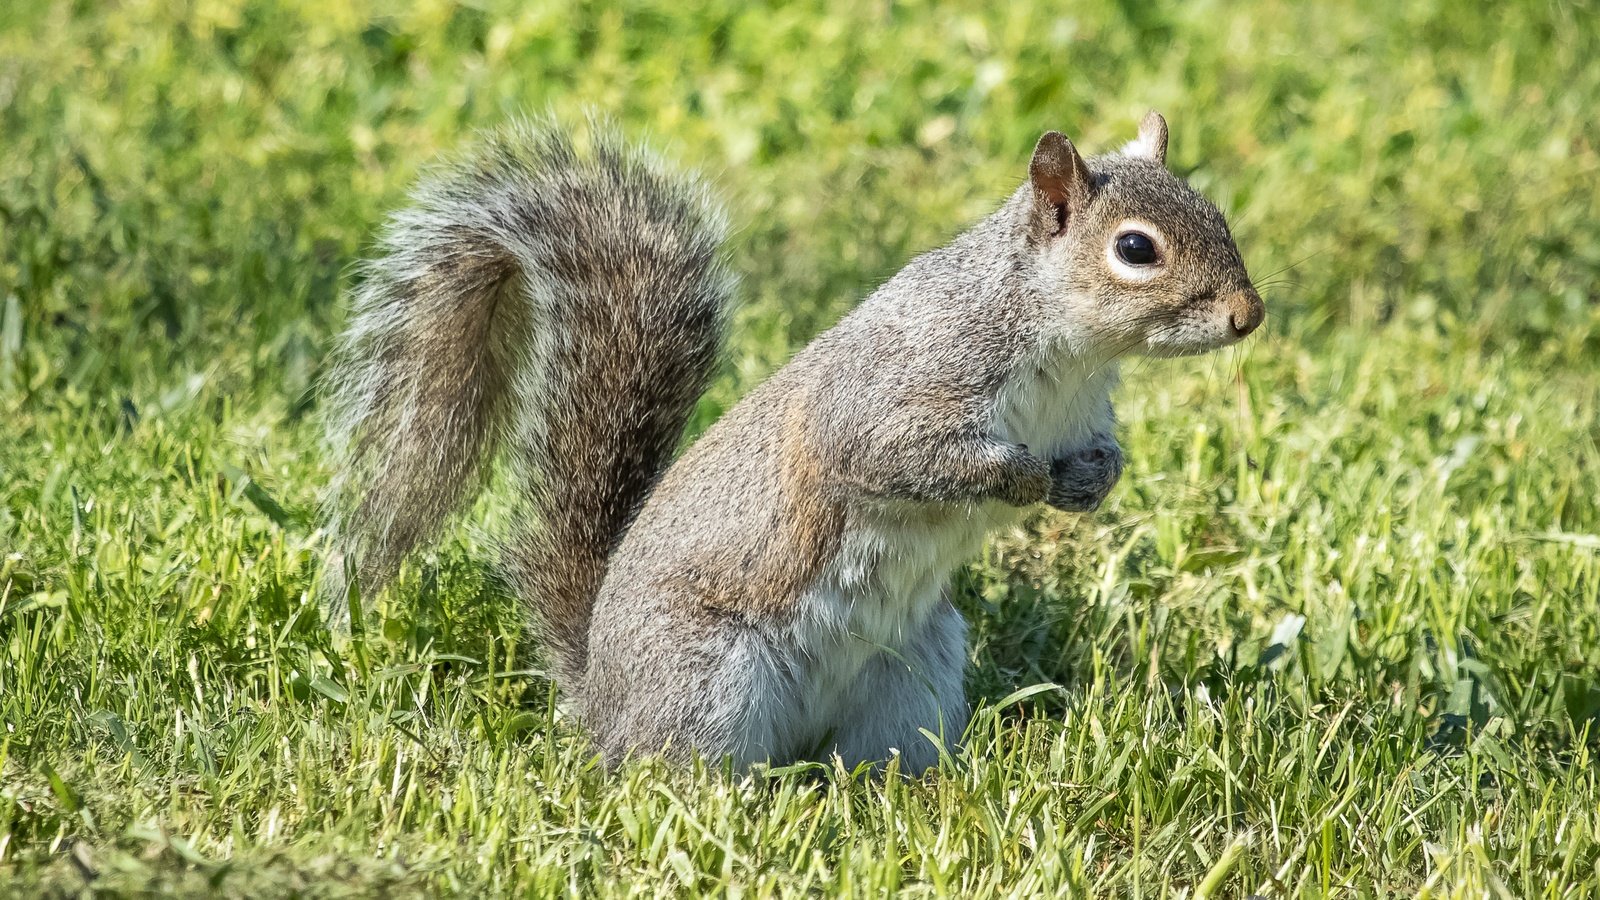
557,303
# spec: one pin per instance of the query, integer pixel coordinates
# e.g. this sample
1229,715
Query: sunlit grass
1337,633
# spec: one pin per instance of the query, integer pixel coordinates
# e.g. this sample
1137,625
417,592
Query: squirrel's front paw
1080,479
1026,479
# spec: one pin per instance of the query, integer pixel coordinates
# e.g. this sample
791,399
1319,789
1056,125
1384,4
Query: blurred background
186,180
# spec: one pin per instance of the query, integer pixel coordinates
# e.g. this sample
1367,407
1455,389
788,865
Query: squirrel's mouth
1204,327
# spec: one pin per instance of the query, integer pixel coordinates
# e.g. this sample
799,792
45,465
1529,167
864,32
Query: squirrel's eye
1135,248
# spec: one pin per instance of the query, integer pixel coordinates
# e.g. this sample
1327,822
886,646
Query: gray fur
781,591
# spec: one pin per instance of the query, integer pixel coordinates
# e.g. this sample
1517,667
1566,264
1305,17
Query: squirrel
556,302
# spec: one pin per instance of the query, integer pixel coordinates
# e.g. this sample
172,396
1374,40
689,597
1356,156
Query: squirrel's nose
1245,311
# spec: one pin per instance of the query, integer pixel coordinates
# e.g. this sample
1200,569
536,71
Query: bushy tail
557,299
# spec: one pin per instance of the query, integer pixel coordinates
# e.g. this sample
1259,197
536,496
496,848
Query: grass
1337,633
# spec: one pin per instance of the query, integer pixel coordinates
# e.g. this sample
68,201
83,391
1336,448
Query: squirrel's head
1146,262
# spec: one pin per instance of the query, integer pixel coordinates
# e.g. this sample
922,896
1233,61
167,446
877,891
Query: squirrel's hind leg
684,682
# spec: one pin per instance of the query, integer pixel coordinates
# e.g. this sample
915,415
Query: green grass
1337,633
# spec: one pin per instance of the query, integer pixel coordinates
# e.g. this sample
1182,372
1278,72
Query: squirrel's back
555,298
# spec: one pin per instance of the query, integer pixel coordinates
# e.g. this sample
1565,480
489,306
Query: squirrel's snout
1245,311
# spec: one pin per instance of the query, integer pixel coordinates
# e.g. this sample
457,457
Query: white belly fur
1056,407
895,560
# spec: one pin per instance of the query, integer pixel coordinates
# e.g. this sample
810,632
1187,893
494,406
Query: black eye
1136,248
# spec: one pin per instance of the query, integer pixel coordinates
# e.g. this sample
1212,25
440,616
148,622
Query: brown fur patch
789,548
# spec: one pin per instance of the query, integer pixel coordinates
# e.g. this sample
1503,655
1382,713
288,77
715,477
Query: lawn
1335,634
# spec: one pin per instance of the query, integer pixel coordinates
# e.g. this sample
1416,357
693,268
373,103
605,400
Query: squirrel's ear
1060,182
1152,140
